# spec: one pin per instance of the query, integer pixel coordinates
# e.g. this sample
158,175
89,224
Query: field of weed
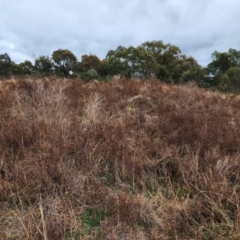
118,160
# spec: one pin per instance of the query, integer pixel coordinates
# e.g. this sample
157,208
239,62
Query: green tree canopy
221,63
235,57
90,62
230,80
165,56
116,64
64,61
131,60
5,64
164,61
91,67
44,65
16,69
186,69
173,66
27,67
103,69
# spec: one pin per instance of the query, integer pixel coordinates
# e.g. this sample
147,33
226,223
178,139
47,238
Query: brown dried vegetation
118,160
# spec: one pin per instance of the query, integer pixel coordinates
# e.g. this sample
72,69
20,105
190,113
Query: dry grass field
118,160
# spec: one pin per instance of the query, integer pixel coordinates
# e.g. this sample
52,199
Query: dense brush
118,160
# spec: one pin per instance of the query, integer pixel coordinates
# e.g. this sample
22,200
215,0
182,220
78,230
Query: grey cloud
38,28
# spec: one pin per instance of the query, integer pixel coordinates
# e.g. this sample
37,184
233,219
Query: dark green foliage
154,59
218,69
220,64
64,61
117,62
191,71
128,61
5,65
24,68
103,70
17,69
166,56
89,62
89,75
230,81
44,66
27,67
91,67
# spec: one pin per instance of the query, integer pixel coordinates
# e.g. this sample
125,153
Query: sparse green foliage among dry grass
118,160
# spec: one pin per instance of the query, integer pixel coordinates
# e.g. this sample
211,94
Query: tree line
151,59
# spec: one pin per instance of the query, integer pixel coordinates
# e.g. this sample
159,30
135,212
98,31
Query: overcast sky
30,28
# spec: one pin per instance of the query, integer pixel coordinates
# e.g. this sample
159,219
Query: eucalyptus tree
27,67
63,61
164,54
44,66
221,63
5,64
131,60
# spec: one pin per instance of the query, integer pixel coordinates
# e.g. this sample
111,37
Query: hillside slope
118,160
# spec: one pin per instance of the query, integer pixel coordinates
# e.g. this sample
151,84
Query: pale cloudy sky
30,28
